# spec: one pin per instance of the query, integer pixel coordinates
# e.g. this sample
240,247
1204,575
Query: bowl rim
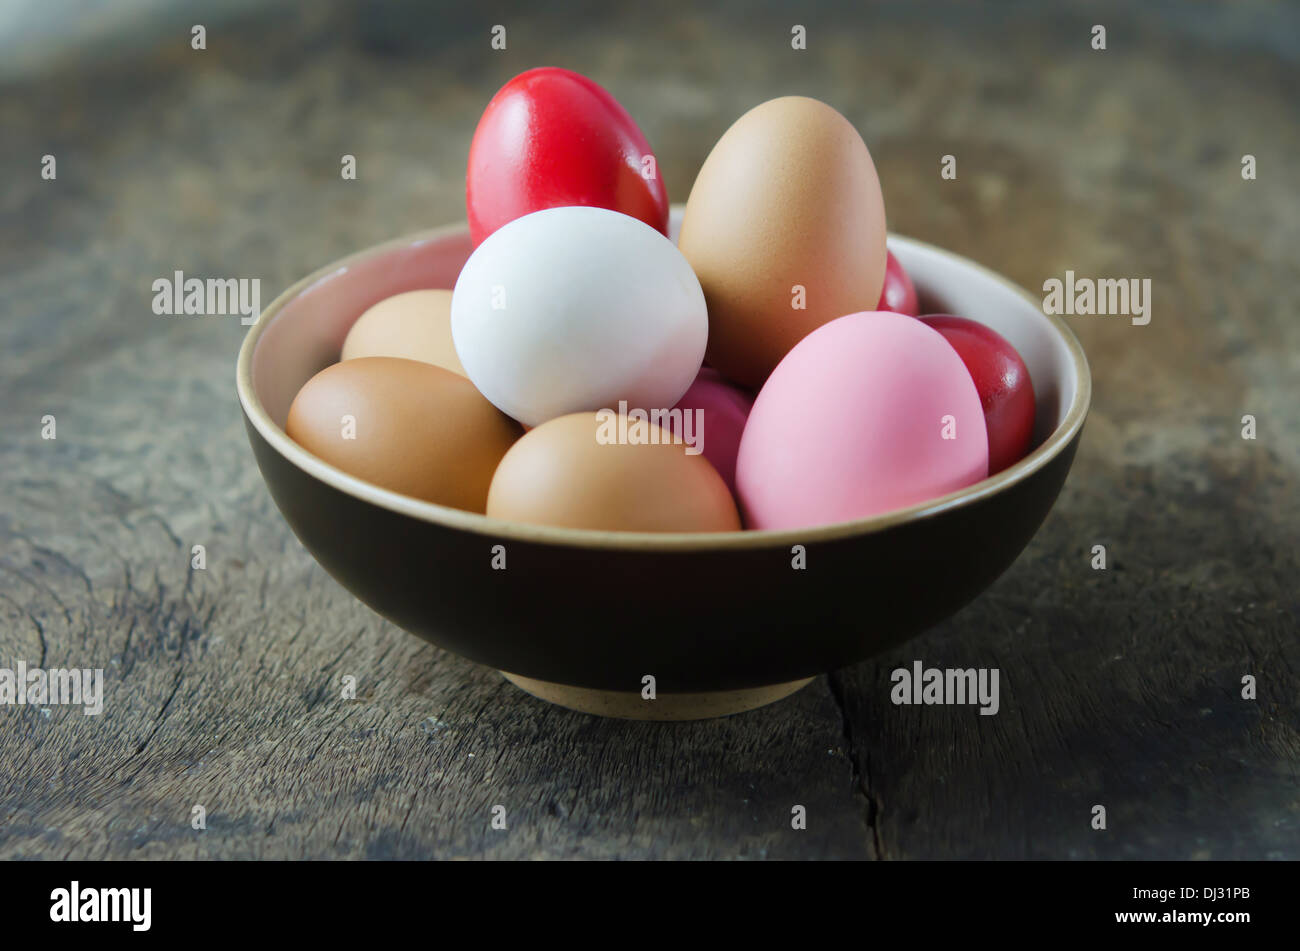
503,530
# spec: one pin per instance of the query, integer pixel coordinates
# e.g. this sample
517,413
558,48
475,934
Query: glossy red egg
1002,381
898,294
551,137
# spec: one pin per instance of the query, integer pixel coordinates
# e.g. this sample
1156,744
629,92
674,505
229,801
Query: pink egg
722,410
868,413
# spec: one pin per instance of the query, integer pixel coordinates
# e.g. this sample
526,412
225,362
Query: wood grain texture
1120,687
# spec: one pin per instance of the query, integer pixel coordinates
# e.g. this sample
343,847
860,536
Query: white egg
572,309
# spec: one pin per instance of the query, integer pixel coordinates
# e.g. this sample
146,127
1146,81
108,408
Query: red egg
1002,381
550,138
899,294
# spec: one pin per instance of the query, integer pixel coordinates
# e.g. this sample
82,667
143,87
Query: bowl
721,622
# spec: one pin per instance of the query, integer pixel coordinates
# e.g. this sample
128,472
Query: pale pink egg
868,413
714,411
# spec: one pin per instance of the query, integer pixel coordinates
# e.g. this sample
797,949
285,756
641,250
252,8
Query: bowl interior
302,332
305,335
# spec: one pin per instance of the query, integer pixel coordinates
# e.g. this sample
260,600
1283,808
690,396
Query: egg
899,293
404,425
871,412
414,326
1002,381
608,472
552,137
573,309
712,415
785,229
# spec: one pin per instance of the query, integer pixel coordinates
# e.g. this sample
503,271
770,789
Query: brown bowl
722,622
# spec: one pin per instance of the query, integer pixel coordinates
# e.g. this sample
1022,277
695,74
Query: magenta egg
717,412
871,412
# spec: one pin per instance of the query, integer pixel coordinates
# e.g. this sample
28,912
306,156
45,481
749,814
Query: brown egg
406,426
414,326
572,471
785,228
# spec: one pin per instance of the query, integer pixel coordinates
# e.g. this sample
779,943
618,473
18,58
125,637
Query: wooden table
1120,687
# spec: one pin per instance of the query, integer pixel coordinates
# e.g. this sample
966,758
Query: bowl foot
628,704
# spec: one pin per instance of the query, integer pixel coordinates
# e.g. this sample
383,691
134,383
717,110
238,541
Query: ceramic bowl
721,622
